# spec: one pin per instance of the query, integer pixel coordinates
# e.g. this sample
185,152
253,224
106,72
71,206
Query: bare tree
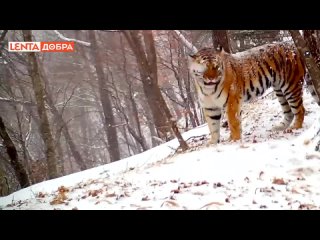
137,135
110,125
66,132
17,166
176,62
144,49
310,62
39,93
220,38
2,37
241,40
311,38
148,72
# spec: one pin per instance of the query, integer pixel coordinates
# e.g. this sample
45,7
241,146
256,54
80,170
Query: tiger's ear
192,56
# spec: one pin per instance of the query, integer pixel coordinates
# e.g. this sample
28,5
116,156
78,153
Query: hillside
266,170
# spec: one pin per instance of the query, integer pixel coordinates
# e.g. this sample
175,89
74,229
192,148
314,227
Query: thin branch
110,30
3,35
158,139
69,99
16,101
28,133
87,44
119,125
188,44
173,100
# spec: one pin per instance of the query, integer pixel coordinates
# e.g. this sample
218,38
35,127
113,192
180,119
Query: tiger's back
278,65
227,80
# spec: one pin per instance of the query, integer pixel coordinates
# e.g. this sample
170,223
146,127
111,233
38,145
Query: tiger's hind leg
286,109
294,98
292,93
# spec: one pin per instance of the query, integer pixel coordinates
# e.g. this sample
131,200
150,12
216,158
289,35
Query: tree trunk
23,144
65,130
148,74
127,111
310,62
83,123
220,39
186,81
59,128
90,155
33,116
168,90
141,139
2,36
173,123
113,145
19,115
60,154
310,36
150,123
17,166
130,113
193,113
40,99
132,101
147,65
4,183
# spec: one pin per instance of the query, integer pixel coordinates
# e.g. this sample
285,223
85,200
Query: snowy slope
266,170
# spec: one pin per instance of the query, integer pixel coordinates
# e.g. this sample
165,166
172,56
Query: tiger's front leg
234,119
213,116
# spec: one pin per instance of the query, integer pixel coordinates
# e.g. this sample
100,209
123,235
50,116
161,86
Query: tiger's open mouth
211,82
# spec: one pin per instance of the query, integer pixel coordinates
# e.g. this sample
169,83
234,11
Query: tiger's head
206,67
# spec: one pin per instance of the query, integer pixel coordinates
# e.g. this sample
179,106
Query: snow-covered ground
266,170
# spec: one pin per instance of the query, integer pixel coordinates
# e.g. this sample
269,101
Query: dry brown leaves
41,195
61,197
279,181
145,198
212,204
288,130
95,193
170,203
199,183
111,194
307,206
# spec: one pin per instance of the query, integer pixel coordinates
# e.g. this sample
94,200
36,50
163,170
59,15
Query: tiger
225,81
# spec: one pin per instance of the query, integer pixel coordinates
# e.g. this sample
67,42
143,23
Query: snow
266,170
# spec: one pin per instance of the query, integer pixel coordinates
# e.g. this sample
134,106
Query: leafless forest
118,94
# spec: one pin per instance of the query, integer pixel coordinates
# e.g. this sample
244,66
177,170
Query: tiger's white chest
216,99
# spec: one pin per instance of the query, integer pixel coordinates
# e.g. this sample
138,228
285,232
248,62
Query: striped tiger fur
225,81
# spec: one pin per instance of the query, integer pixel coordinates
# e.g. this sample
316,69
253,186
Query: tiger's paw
291,129
235,136
213,141
234,139
296,126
